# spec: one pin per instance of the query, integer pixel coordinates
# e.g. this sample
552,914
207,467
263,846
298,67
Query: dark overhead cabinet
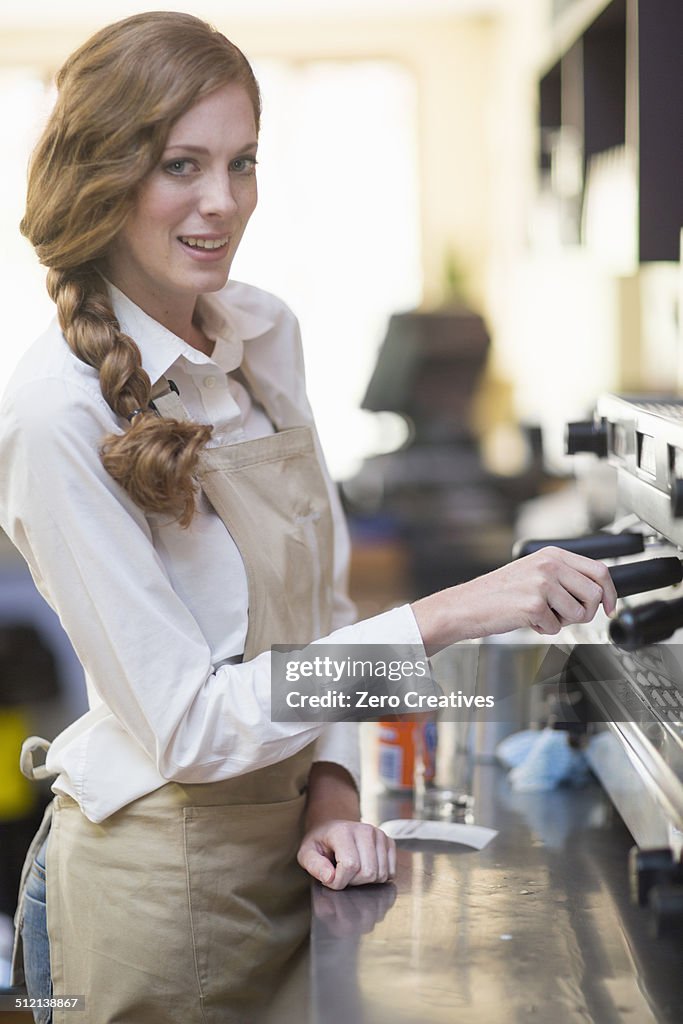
612,82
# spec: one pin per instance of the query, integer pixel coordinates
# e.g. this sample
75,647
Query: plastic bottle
400,743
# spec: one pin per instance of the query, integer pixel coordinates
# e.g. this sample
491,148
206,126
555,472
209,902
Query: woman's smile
202,242
205,249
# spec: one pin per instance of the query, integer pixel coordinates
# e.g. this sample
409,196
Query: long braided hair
118,96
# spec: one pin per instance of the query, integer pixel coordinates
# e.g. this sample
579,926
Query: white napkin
475,836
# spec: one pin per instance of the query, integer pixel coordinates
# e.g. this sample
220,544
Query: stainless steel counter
536,927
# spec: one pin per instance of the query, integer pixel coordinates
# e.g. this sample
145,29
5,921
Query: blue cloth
542,760
35,938
514,749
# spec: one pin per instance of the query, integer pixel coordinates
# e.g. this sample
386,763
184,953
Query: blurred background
474,208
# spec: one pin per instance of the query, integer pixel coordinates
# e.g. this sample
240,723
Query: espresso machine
629,668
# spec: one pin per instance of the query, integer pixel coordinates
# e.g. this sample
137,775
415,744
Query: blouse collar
222,320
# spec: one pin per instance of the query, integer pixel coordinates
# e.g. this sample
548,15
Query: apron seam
195,957
247,464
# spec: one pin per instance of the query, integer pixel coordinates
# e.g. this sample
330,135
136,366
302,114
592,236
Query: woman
181,809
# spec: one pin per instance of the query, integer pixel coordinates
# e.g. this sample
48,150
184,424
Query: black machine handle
646,624
587,436
592,545
650,574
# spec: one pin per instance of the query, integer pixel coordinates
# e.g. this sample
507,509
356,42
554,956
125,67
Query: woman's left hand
340,853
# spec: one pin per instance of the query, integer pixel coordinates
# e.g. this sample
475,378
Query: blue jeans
35,939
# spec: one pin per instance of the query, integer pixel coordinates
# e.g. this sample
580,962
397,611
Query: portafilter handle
587,436
649,574
647,624
592,545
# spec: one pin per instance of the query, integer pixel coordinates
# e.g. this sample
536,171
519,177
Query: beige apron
188,905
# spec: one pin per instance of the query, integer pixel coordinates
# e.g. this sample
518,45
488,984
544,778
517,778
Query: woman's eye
243,165
178,167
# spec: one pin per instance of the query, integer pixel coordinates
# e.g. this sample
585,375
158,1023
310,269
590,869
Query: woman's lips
205,248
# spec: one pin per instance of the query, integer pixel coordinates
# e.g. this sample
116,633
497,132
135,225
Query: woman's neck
179,317
197,338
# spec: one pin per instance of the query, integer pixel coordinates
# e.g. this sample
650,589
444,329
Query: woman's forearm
332,794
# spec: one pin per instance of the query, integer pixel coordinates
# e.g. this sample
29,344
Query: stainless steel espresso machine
630,668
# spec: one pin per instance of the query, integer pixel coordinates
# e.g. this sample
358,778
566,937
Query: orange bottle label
397,754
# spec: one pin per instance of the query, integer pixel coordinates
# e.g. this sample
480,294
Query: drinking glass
443,754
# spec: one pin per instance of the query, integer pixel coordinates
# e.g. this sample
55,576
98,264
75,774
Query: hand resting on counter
341,852
338,849
544,591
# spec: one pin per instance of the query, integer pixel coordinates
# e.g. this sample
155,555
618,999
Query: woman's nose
217,198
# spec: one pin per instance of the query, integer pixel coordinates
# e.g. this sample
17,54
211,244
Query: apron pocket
249,902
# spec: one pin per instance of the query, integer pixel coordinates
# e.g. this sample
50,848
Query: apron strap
163,386
166,400
26,764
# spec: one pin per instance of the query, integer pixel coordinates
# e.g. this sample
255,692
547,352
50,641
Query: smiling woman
139,192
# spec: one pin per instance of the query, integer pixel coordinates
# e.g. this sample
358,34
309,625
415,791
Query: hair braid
155,459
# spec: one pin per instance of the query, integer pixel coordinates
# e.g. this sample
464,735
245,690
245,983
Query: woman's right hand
544,591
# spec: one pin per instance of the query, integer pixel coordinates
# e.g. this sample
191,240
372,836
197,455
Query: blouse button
209,382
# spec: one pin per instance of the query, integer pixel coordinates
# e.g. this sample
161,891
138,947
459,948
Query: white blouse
157,614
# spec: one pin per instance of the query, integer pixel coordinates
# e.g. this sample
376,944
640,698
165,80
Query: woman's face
192,209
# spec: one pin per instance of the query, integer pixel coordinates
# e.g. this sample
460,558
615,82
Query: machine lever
650,574
592,545
647,624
